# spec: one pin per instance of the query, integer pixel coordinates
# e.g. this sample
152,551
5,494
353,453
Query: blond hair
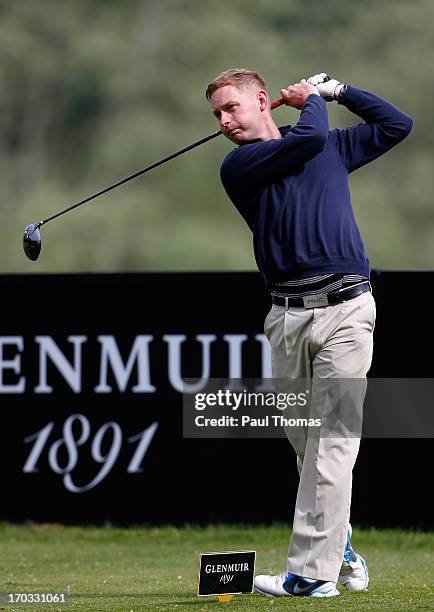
241,78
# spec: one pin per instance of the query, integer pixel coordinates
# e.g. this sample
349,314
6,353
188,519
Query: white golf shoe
286,584
354,571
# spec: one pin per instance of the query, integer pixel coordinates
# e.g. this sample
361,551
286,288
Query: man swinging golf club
290,185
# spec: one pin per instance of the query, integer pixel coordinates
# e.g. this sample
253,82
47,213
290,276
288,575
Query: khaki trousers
315,344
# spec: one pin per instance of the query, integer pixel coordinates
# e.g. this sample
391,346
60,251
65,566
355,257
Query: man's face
239,114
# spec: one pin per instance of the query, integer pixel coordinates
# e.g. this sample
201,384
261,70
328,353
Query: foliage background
92,90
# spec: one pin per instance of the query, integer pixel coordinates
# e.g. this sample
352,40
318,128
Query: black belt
323,299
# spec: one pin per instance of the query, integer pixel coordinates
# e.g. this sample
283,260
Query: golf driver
32,234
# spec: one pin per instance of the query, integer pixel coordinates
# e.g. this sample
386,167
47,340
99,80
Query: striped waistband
324,283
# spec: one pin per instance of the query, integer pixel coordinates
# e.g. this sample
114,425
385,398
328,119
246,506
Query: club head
32,241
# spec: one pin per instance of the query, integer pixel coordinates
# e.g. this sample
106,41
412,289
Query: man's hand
296,95
327,88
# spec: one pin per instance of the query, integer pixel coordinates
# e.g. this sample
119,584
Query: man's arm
268,161
385,127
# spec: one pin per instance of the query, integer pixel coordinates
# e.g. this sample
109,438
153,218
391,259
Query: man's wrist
340,91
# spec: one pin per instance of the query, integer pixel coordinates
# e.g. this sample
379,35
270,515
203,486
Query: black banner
92,370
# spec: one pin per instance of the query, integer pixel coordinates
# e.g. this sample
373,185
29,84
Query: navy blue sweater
293,192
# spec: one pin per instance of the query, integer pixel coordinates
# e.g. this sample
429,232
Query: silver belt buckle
315,301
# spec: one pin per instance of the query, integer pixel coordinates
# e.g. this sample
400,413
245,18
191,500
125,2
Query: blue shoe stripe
306,587
349,554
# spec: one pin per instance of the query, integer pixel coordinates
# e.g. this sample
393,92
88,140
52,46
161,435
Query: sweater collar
284,129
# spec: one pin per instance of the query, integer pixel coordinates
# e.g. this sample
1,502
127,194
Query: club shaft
139,172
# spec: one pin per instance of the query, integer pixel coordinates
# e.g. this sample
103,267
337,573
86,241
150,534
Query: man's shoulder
227,161
233,156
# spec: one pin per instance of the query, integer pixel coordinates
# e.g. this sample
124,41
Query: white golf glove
325,85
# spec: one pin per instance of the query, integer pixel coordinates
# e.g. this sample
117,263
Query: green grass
113,569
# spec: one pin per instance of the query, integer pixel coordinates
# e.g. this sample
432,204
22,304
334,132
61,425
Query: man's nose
224,119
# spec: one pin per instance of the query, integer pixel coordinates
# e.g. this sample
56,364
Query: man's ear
263,99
